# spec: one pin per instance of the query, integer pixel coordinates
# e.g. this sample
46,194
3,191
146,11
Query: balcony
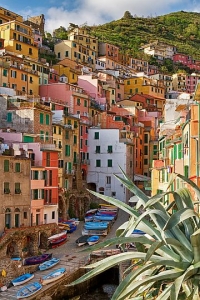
69,172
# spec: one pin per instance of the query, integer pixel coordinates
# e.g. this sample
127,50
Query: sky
94,12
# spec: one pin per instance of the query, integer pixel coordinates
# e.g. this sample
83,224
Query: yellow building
19,39
7,15
80,47
70,73
143,85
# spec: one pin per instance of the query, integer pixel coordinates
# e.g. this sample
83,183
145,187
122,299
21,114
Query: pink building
187,60
191,82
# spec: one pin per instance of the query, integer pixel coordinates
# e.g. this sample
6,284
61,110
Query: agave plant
166,263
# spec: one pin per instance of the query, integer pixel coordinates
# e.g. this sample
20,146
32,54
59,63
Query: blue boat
53,276
49,264
96,225
103,218
93,239
29,290
22,279
138,232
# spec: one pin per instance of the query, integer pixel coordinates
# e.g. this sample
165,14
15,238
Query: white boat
49,264
29,290
53,276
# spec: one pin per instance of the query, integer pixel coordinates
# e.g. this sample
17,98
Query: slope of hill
181,29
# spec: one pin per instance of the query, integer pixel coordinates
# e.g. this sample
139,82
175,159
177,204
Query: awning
133,199
138,177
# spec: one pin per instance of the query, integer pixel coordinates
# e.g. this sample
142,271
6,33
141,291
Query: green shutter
75,157
9,117
47,119
109,162
69,166
28,139
110,149
42,135
175,151
180,152
67,150
17,167
6,165
96,135
41,118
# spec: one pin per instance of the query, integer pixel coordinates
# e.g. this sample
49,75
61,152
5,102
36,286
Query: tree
61,33
127,15
166,263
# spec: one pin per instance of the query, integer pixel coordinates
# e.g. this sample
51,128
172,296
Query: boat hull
29,290
93,240
34,260
22,279
49,264
53,276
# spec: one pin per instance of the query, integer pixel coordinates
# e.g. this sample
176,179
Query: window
145,161
128,82
25,215
13,74
58,54
67,150
53,215
75,124
109,162
5,73
98,149
24,77
30,51
35,194
17,167
85,103
78,101
66,53
96,135
145,150
59,131
17,188
54,129
155,150
6,165
6,188
146,138
47,136
108,179
9,117
47,119
18,47
75,139
41,118
66,134
110,149
98,163
42,135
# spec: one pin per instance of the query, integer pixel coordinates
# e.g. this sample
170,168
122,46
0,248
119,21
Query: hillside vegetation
181,29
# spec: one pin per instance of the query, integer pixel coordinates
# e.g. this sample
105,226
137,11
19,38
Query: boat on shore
34,260
94,232
22,279
49,264
94,239
82,240
29,290
53,276
57,239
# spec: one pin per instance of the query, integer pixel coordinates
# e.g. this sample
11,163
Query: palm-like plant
167,261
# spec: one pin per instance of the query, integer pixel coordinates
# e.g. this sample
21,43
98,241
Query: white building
108,150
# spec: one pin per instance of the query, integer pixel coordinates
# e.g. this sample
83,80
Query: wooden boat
57,239
82,240
34,260
22,279
49,264
94,232
29,290
53,276
94,239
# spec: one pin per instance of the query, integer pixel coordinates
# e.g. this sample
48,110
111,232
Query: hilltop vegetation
181,29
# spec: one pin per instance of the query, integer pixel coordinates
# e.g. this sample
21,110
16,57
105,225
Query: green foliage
167,264
181,29
61,33
93,205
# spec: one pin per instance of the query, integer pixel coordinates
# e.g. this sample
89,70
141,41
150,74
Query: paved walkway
69,254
